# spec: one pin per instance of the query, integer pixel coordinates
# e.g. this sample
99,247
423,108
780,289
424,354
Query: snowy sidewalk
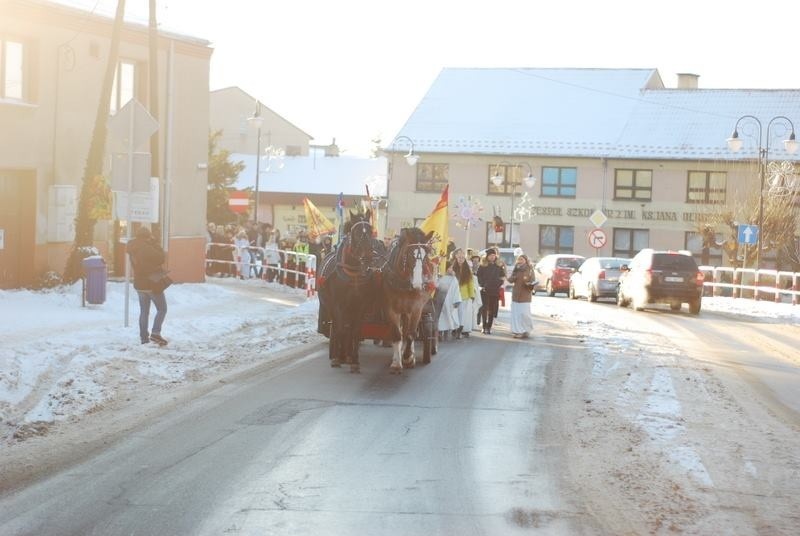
58,359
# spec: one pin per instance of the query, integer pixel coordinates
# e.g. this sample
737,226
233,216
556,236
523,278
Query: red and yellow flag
318,224
437,222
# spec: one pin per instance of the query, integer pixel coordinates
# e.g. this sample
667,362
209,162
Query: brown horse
346,289
407,283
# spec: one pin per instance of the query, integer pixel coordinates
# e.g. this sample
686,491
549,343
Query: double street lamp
513,180
257,121
411,159
790,145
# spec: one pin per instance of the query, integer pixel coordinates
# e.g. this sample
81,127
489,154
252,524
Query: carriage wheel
332,342
428,338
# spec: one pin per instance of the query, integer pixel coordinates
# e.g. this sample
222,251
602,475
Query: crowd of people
469,291
258,250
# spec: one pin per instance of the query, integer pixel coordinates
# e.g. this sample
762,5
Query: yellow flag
318,224
437,222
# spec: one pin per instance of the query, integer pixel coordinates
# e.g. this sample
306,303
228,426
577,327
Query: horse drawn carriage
368,292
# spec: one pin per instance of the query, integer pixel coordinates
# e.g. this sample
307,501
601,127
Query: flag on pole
340,213
437,222
318,224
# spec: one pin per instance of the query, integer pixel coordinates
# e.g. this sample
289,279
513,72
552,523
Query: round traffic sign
597,238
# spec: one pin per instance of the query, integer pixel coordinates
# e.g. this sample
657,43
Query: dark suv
661,277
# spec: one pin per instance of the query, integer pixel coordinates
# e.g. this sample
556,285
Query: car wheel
550,290
675,306
694,306
591,295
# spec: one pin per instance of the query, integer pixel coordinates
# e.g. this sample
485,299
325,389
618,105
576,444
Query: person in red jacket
147,259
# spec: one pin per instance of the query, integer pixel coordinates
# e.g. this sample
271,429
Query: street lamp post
257,121
790,145
499,180
411,159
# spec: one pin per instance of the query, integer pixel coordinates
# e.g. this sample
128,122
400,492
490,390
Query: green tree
222,174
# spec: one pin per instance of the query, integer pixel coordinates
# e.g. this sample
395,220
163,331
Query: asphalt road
453,447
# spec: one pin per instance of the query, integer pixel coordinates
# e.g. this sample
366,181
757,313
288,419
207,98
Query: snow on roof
314,174
624,113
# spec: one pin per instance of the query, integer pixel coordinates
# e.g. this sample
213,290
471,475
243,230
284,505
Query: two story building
52,67
650,163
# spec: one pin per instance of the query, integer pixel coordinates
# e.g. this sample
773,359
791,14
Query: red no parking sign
597,238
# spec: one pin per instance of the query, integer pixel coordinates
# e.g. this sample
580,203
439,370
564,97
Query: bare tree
84,223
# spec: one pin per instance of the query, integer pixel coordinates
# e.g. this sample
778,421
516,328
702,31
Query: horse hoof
355,369
409,364
395,369
335,363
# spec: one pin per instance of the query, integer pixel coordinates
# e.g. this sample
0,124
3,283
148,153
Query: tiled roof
615,113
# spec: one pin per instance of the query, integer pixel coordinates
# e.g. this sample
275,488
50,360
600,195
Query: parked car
553,271
661,277
597,277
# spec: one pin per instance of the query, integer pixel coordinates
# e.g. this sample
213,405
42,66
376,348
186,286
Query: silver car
596,278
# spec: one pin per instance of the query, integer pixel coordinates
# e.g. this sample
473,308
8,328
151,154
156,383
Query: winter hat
518,252
143,232
491,251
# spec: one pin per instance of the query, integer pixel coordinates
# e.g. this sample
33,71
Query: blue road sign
748,234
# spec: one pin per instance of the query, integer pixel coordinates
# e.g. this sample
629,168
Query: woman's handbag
159,281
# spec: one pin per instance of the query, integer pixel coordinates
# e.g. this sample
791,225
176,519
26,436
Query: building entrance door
15,255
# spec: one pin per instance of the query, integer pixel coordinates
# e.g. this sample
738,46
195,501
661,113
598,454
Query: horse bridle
363,267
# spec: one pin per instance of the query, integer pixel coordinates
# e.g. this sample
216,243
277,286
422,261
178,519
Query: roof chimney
332,149
687,80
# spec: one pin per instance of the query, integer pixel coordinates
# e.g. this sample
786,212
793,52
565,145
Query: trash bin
96,277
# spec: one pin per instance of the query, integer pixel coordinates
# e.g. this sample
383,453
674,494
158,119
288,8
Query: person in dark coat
491,277
147,259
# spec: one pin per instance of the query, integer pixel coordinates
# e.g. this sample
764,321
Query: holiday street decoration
525,210
782,179
467,214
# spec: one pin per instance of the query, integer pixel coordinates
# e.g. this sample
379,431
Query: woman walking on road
491,276
522,280
466,285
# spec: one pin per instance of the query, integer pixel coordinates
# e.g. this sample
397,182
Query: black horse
346,287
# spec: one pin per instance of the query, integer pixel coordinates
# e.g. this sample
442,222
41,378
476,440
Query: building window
556,239
512,176
633,184
629,242
694,244
124,88
559,182
432,177
706,187
501,238
12,70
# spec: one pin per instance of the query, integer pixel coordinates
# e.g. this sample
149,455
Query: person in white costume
447,292
242,249
522,280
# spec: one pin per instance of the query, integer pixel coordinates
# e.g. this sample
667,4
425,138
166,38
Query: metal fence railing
289,268
778,286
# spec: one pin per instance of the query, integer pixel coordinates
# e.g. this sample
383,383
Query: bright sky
355,70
